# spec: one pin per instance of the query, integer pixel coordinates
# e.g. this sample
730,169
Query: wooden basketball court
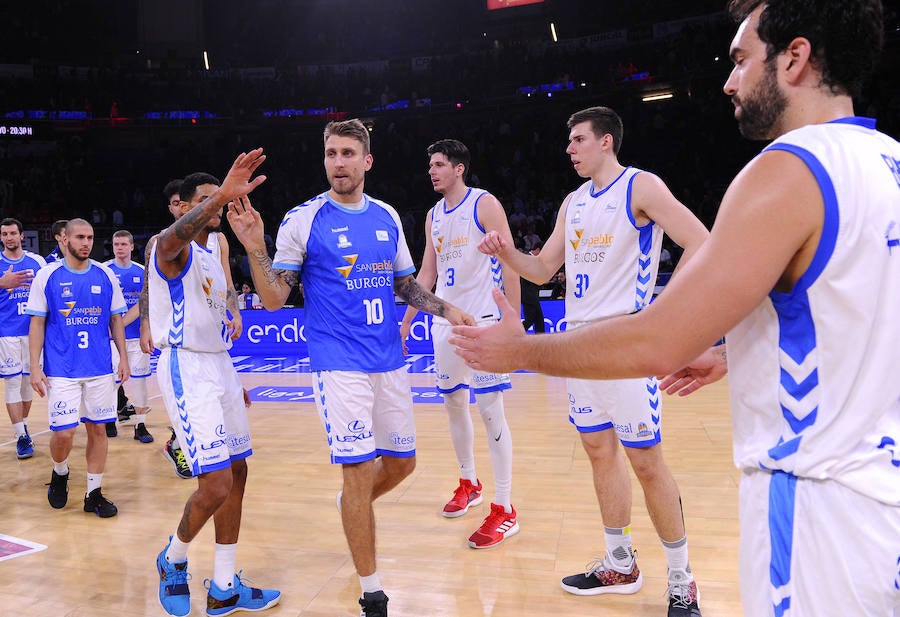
291,537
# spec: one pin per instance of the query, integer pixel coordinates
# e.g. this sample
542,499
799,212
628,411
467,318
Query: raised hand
245,221
237,181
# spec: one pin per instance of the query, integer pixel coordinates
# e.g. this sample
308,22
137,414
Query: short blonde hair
349,128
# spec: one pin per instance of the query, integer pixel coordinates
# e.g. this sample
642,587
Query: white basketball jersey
212,243
832,343
466,276
188,311
611,263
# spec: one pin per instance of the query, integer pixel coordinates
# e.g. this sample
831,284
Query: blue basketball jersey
54,256
131,281
77,307
13,320
347,260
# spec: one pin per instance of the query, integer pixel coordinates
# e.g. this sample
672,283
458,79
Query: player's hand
39,381
123,373
458,317
237,181
492,244
246,223
708,367
247,401
404,334
235,325
20,278
146,338
497,348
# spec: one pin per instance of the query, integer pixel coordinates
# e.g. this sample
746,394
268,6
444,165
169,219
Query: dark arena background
103,103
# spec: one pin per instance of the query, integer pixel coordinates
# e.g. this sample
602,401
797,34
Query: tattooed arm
171,246
418,297
144,301
272,286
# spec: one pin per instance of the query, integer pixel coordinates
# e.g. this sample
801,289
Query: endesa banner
282,331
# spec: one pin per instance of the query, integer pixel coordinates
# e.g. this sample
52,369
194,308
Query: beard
74,253
761,108
349,190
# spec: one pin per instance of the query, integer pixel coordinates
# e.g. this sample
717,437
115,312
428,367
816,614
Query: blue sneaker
24,446
239,598
174,594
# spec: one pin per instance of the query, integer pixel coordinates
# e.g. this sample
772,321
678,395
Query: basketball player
217,243
131,279
18,267
75,303
609,235
351,253
465,277
187,306
804,266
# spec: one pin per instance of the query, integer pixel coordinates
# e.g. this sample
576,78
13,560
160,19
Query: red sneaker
465,495
498,526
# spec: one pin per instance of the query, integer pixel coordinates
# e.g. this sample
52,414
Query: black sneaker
177,458
126,412
98,504
58,493
141,434
111,430
373,604
683,599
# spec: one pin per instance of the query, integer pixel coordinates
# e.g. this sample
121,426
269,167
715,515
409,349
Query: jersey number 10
374,311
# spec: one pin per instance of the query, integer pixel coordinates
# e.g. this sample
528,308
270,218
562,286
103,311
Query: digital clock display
15,129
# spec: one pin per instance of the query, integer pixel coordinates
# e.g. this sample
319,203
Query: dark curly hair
846,36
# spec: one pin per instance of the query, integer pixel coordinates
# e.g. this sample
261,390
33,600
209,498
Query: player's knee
402,467
14,389
214,487
600,446
647,463
489,404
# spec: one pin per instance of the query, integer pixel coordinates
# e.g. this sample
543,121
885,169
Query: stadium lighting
205,60
553,32
657,96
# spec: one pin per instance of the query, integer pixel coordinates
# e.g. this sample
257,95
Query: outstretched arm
536,268
173,240
764,238
420,298
426,278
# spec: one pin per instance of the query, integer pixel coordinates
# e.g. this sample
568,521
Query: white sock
93,481
677,557
140,418
19,427
61,468
177,550
618,547
461,433
224,565
371,583
500,446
